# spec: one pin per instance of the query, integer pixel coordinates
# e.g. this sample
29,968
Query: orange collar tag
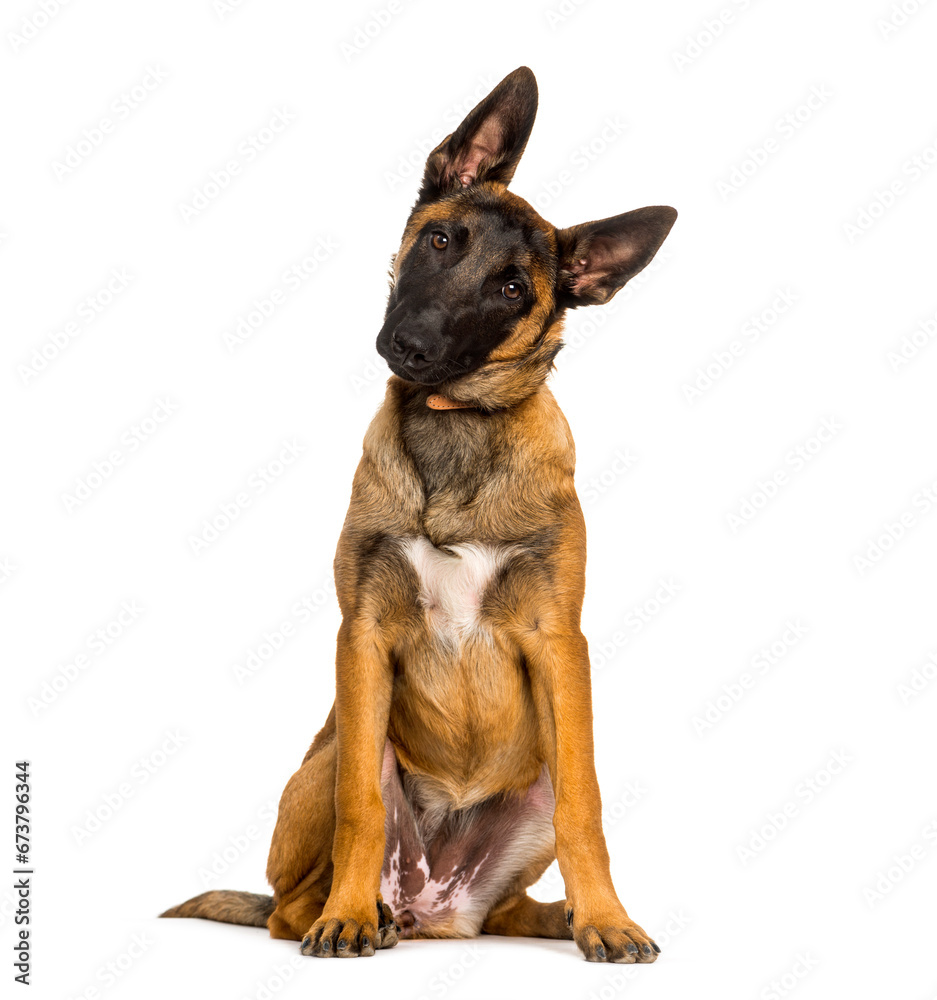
437,402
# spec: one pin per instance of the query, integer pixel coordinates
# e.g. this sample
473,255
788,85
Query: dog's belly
462,712
445,868
468,798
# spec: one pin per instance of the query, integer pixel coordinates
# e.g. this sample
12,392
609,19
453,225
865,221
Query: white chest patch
453,581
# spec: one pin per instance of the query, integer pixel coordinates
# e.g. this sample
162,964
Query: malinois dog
457,760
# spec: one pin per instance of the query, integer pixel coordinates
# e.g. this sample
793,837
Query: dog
457,760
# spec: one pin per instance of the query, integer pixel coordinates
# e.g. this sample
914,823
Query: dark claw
342,944
632,949
599,952
569,918
326,945
365,942
654,946
307,940
647,949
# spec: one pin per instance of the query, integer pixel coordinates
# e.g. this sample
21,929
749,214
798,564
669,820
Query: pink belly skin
444,868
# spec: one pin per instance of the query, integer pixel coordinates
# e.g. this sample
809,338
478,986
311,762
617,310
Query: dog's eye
512,290
440,241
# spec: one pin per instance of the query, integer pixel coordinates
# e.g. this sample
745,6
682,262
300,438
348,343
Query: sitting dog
457,760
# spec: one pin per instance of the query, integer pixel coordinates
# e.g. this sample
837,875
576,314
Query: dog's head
481,281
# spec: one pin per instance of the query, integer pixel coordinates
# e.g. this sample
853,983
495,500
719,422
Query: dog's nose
411,351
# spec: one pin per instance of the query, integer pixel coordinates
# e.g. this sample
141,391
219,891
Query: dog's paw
618,939
347,937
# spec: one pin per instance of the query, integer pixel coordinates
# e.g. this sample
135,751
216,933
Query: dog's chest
453,582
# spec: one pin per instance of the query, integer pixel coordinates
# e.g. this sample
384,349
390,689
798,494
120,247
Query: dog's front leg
558,661
354,921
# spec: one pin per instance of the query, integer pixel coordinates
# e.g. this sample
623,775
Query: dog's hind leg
521,916
299,866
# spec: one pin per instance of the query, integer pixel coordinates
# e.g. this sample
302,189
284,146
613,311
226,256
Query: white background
641,103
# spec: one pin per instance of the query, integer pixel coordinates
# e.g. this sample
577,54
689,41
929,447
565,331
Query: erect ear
597,258
488,144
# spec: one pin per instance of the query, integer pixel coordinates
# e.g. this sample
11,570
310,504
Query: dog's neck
498,385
